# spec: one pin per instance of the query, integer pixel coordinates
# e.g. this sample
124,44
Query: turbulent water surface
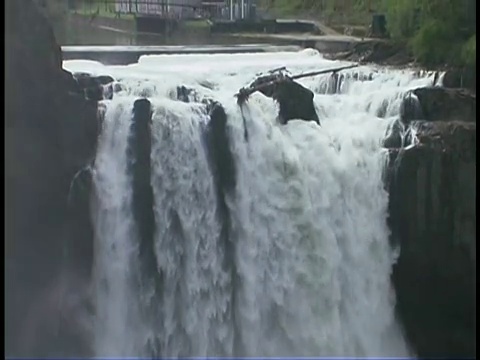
308,269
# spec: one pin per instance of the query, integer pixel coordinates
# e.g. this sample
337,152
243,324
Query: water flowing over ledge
304,266
122,55
51,301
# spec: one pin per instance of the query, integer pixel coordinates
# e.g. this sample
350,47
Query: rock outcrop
50,132
461,78
442,104
432,186
95,88
295,101
223,164
139,150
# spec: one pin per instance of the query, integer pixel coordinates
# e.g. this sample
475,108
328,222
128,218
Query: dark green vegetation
438,32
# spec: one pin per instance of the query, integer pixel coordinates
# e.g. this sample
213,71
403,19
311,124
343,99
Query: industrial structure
241,9
184,9
176,9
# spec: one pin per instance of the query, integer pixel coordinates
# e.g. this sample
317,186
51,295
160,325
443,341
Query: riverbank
100,30
395,54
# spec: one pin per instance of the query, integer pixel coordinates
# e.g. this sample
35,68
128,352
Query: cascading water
303,268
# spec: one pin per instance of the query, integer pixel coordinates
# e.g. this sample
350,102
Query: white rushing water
308,216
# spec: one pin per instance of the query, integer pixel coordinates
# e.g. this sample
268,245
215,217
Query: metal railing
162,8
136,4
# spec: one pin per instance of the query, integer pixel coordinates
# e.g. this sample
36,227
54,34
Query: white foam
308,212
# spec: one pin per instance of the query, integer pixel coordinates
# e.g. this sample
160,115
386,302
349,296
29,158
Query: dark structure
295,101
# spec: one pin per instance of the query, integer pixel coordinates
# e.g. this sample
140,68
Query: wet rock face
461,78
50,135
393,139
410,109
94,88
442,104
219,148
432,215
186,94
139,150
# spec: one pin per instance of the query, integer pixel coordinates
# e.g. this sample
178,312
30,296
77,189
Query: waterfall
293,260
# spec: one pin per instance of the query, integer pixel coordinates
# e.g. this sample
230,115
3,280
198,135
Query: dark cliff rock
393,138
50,132
139,149
410,109
432,188
219,148
94,88
431,104
461,78
222,165
442,104
187,95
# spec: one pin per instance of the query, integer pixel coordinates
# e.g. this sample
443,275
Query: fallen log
264,82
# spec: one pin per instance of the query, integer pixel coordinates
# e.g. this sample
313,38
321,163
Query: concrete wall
82,30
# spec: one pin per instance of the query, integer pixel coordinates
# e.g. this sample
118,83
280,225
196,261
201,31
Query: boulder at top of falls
96,88
295,101
441,104
186,94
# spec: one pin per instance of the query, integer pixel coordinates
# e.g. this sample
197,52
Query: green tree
438,31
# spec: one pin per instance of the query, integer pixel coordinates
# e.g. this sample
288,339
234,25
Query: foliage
434,44
469,51
438,31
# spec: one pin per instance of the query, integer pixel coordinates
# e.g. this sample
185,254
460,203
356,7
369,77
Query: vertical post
231,9
242,11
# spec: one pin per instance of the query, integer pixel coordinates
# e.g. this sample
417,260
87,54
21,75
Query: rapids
305,270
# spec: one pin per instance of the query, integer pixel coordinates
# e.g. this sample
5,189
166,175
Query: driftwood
262,83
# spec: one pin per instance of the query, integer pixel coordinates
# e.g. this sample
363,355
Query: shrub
434,43
469,51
